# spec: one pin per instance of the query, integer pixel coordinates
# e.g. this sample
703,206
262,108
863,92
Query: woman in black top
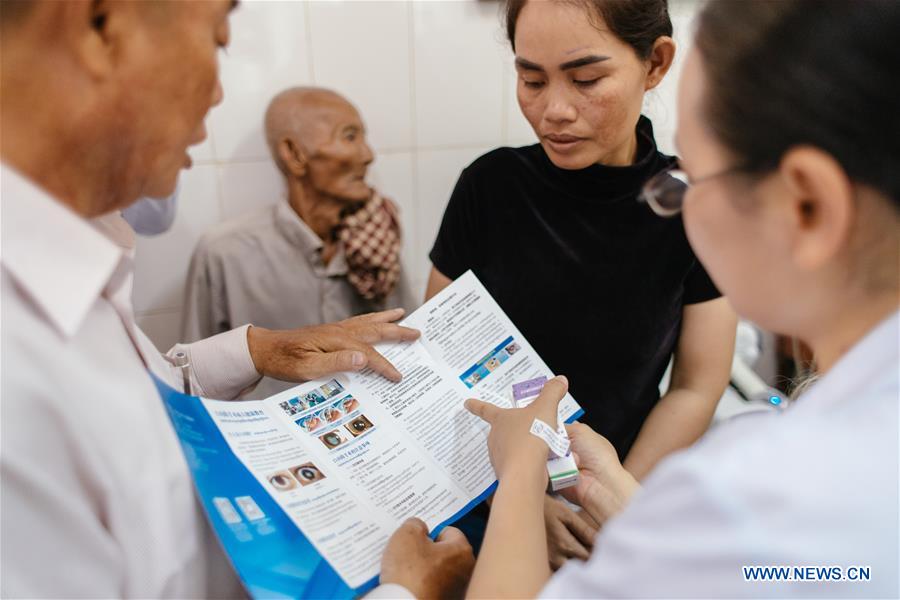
603,289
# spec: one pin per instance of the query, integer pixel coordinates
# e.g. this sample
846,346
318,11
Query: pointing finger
374,333
384,316
318,365
483,410
381,365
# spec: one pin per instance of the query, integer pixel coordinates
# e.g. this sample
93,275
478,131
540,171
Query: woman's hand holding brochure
517,513
514,450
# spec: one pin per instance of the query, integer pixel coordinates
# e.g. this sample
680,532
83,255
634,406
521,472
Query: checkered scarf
371,239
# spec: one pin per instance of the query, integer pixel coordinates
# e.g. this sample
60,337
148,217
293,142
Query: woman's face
734,225
579,86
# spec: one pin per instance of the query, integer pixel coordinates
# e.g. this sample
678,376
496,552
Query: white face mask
151,216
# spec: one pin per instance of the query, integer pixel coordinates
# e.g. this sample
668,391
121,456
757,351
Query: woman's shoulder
506,159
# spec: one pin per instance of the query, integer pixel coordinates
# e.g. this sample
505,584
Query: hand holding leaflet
428,569
305,488
519,435
561,467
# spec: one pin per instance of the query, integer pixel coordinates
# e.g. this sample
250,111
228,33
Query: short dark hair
783,73
638,23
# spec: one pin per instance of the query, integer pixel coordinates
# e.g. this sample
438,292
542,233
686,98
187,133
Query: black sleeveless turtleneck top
593,279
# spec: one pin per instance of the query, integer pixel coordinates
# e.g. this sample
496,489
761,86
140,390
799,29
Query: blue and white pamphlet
305,488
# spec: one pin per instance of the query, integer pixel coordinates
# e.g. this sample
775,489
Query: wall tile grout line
416,241
310,63
504,99
414,133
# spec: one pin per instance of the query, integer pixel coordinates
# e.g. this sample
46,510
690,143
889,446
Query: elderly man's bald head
306,116
317,136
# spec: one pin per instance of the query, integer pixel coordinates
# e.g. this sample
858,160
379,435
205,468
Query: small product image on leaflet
359,425
489,363
307,473
282,481
333,439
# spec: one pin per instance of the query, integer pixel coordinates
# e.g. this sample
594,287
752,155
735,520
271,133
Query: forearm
513,560
677,421
700,373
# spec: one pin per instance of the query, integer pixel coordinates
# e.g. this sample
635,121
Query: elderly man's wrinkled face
339,155
171,83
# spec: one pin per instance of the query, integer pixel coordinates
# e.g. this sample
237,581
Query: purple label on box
528,389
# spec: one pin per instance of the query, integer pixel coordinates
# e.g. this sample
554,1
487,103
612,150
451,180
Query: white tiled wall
433,81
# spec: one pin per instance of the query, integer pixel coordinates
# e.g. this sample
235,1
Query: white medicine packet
561,468
559,444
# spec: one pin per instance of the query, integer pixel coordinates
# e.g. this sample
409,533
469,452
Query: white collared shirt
97,498
815,486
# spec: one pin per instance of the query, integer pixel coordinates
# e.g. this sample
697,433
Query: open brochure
304,488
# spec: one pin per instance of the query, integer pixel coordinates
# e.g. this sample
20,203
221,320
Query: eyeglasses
665,191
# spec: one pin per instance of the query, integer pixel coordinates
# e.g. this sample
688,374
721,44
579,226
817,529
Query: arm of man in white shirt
227,364
221,366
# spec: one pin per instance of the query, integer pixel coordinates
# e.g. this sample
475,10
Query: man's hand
310,352
428,569
568,534
604,486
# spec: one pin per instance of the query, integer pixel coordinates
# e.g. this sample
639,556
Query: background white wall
433,81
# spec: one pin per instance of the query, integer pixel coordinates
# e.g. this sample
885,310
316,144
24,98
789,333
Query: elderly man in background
97,497
331,250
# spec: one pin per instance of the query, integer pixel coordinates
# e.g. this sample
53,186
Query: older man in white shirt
100,101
